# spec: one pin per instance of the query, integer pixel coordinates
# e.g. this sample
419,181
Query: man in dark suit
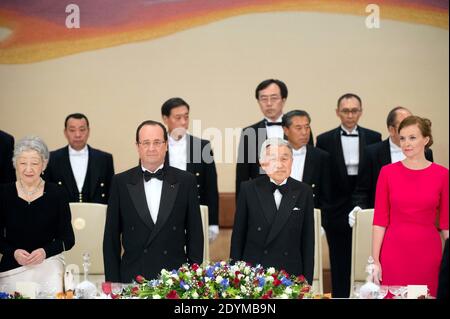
7,172
83,171
311,165
153,214
271,96
274,220
345,144
379,154
194,155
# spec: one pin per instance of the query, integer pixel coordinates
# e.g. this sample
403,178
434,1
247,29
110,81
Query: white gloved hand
352,216
322,231
213,232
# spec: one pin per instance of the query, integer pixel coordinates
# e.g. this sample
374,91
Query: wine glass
382,292
355,290
107,288
116,288
396,291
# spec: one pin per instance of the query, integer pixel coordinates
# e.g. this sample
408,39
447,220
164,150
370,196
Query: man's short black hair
154,123
174,102
264,84
287,118
392,116
77,116
349,96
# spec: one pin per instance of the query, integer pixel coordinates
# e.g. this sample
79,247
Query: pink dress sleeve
443,205
382,206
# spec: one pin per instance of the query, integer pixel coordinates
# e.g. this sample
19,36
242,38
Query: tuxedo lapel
92,173
266,198
281,217
137,194
190,153
342,169
168,196
308,168
384,156
362,143
69,177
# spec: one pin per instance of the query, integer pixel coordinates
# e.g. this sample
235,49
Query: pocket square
295,209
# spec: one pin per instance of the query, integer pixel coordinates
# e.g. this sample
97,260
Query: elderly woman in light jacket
35,221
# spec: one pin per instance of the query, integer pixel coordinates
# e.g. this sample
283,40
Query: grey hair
31,143
273,141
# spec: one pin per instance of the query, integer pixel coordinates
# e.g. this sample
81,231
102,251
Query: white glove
322,231
213,232
352,216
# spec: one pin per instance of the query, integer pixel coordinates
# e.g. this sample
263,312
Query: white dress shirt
79,163
277,195
153,190
275,130
178,152
298,164
350,149
396,152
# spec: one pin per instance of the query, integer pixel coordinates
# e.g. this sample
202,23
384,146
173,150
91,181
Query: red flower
135,291
201,284
172,295
236,282
140,279
195,267
276,282
301,279
305,289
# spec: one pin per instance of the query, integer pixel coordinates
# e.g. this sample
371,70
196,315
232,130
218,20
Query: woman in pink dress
411,209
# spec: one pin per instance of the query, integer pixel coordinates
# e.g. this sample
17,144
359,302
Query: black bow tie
159,174
282,188
344,133
273,123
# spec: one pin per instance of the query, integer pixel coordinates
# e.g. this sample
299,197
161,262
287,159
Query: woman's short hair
423,124
31,143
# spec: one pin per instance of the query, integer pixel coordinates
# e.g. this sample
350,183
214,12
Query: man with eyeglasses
345,144
271,95
193,155
375,157
153,214
84,172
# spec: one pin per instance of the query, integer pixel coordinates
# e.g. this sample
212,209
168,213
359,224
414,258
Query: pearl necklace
30,193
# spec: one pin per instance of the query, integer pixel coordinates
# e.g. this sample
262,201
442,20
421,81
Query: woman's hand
37,256
376,274
21,256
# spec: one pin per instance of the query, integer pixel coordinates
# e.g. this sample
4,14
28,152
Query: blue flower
210,272
262,281
286,282
4,295
224,283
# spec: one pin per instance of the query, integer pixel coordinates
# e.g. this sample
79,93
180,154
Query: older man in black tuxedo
274,220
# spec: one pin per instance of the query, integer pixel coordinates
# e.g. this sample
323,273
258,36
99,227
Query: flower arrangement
221,280
15,295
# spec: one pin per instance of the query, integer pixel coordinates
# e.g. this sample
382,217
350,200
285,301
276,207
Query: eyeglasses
265,99
155,143
352,111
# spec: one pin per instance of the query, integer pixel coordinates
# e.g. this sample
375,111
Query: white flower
270,271
258,289
170,282
224,294
195,295
240,276
223,263
156,297
188,274
288,290
237,297
199,272
175,276
283,296
207,279
219,279
247,270
243,289
246,279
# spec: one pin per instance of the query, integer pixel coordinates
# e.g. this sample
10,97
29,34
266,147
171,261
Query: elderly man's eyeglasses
266,99
350,111
155,143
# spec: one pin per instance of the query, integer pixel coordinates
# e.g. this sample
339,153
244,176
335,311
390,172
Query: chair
205,227
317,284
361,245
88,221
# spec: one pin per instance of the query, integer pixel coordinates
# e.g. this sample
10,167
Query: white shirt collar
300,151
160,167
173,141
394,148
83,151
282,183
278,120
354,131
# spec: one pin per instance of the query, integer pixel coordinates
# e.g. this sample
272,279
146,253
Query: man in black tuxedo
379,154
153,214
7,172
83,171
271,96
345,144
274,220
194,155
311,165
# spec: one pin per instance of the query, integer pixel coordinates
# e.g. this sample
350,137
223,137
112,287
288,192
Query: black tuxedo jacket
251,140
283,239
375,157
316,173
340,185
201,164
149,247
98,176
7,172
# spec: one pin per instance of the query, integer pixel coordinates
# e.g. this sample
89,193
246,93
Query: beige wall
216,69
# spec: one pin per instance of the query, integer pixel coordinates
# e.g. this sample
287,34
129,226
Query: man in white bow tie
274,220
